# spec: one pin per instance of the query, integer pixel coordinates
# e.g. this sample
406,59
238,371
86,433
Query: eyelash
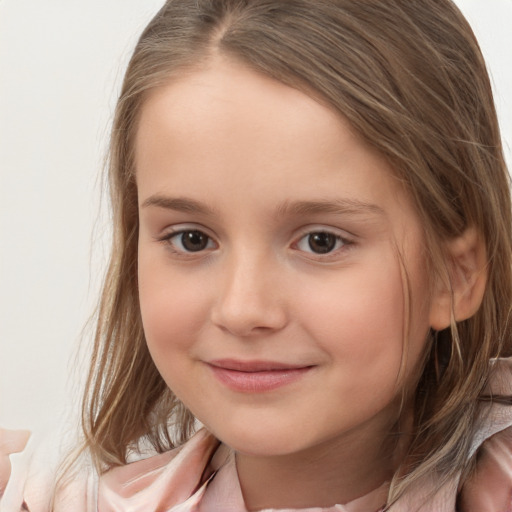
169,237
339,242
336,243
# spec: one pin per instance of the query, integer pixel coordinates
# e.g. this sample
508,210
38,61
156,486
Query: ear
459,295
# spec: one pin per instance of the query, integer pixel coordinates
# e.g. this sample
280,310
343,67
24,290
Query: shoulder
496,414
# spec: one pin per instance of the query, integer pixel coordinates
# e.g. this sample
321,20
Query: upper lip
255,366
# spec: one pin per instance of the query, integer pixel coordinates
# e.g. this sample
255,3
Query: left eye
320,242
191,240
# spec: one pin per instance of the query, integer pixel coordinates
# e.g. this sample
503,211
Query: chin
264,442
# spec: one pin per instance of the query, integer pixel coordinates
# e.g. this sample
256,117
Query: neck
334,472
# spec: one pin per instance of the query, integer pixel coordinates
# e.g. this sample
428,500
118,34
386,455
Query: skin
257,168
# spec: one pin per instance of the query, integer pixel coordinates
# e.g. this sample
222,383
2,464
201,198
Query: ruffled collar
200,476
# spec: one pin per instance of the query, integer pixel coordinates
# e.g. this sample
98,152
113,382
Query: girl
311,258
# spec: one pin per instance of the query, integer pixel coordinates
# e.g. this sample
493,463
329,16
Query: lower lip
258,382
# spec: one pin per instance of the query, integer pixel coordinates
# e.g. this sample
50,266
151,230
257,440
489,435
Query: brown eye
193,241
322,243
187,241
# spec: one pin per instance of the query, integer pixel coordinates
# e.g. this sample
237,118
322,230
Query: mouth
256,376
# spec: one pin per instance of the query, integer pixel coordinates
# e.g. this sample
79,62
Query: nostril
248,318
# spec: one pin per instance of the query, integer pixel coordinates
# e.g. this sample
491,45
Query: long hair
410,78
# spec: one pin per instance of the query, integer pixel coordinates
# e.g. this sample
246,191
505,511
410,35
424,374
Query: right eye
189,240
320,242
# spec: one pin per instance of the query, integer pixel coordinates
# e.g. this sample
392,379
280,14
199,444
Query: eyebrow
179,204
345,206
342,206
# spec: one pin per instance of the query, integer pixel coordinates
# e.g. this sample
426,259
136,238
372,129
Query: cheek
358,314
362,322
173,308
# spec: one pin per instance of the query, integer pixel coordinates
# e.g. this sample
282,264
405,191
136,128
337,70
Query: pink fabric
190,479
175,480
29,484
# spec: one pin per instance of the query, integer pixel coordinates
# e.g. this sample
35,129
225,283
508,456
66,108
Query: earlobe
460,295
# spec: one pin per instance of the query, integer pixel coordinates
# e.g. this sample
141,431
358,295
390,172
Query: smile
256,376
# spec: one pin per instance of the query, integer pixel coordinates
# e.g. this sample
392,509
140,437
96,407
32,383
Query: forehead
226,97
226,131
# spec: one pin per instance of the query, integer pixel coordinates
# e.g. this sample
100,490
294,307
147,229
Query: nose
250,300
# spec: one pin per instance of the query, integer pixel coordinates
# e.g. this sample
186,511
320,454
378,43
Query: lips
256,376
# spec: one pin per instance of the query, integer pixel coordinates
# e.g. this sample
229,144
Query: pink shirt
191,479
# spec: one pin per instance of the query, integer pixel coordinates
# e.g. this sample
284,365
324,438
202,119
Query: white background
61,62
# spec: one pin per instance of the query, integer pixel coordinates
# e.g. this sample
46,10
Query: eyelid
347,239
173,231
322,228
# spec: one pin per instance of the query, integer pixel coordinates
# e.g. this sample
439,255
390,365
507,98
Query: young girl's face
272,257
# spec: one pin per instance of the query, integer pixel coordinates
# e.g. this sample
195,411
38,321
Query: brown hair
410,78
